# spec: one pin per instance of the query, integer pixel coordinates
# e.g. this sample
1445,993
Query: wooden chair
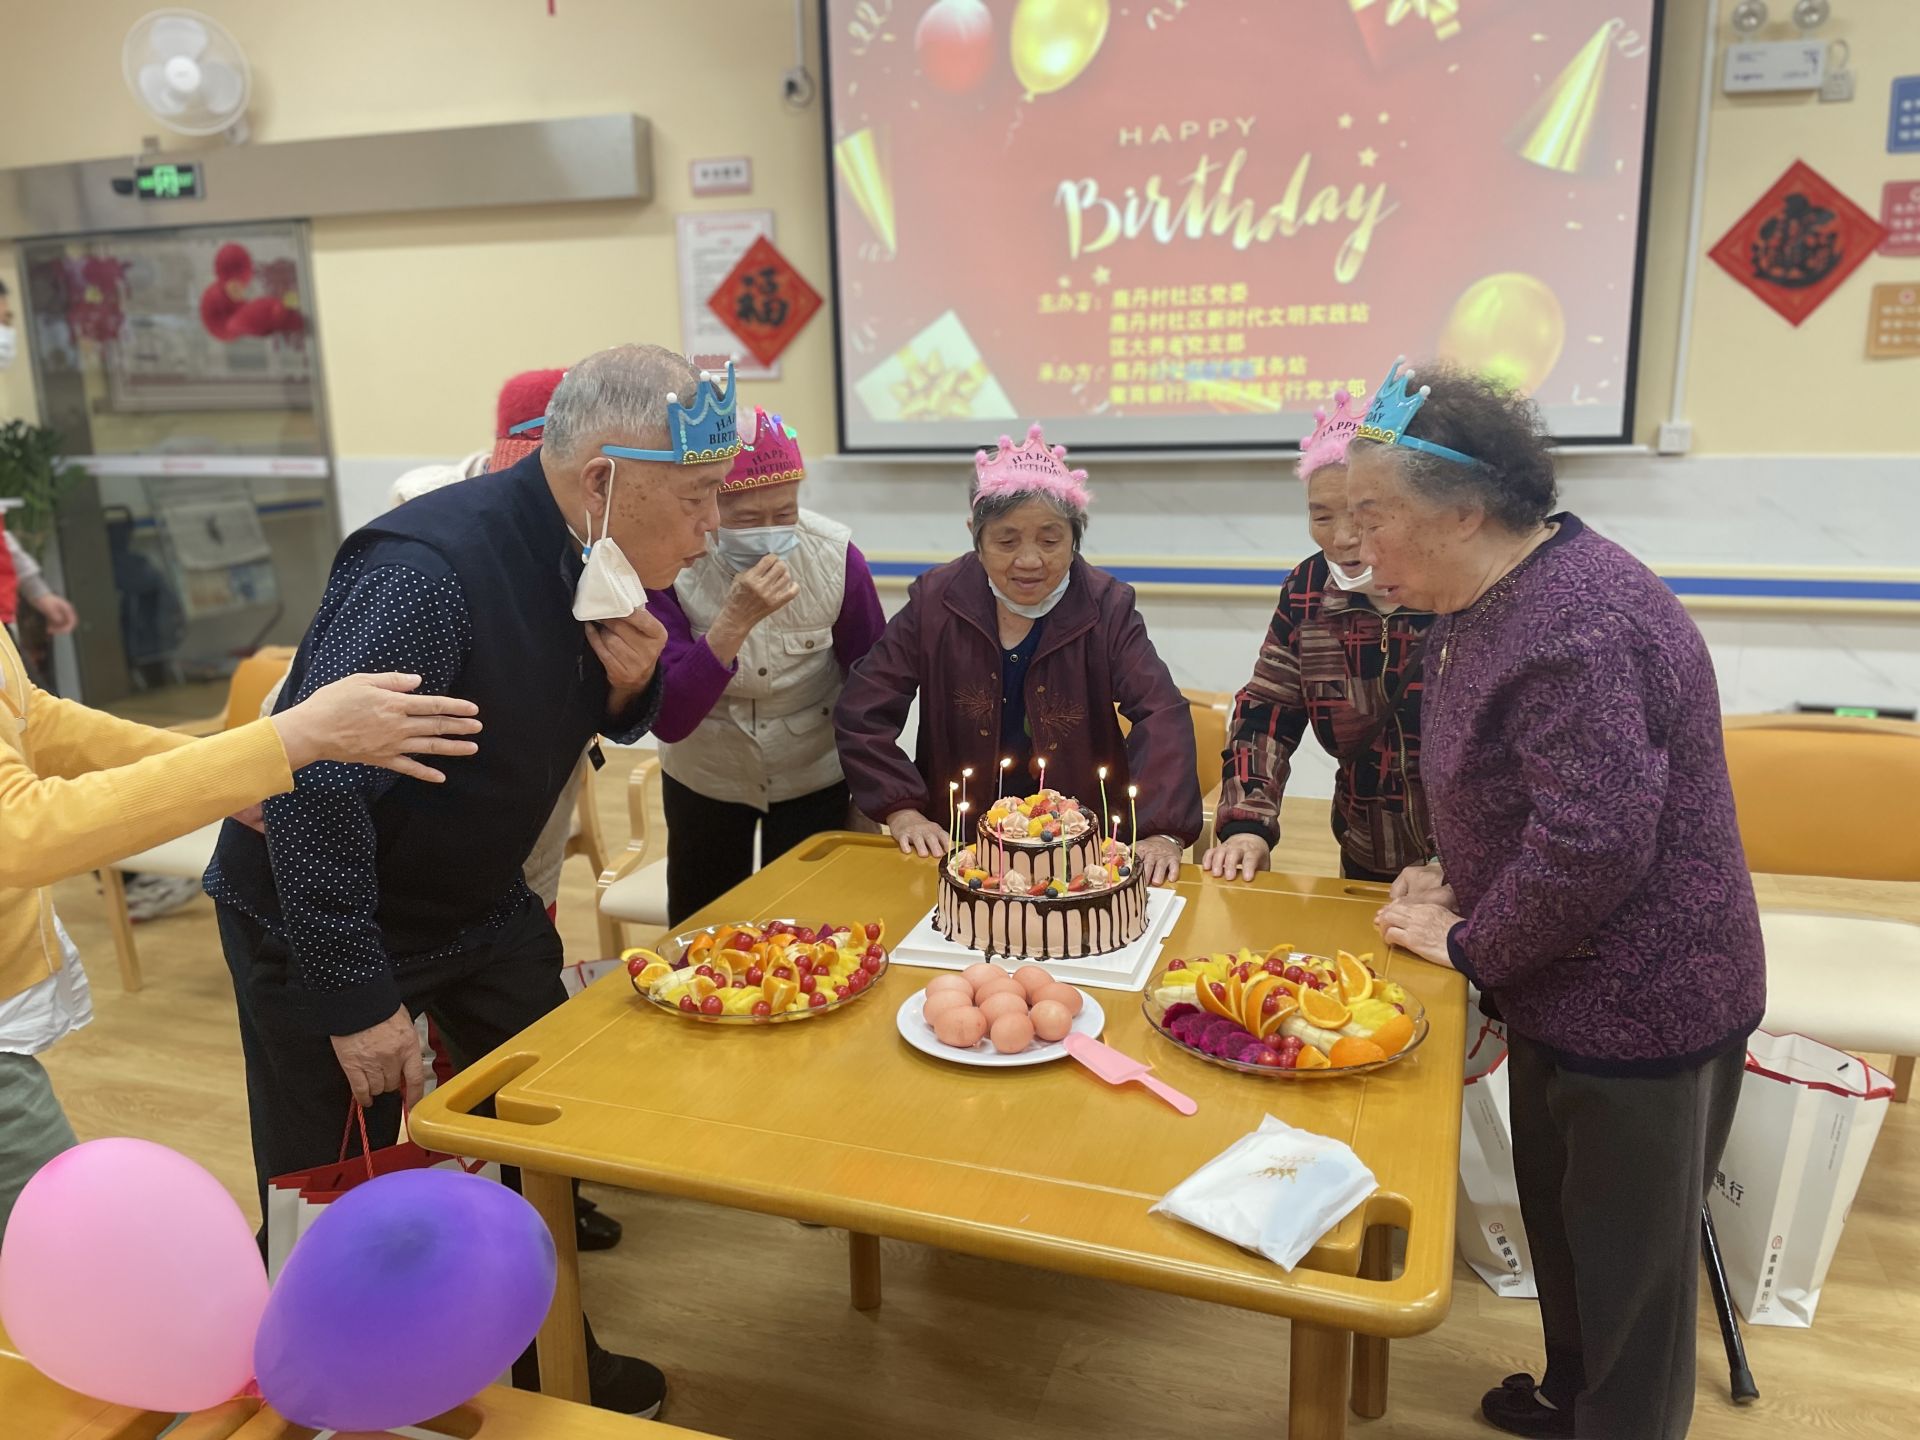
1825,795
585,838
1212,713
634,890
189,855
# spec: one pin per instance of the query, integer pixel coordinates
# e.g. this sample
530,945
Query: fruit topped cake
1039,882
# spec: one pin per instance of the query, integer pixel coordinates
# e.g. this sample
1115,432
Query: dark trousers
1349,870
1612,1173
710,842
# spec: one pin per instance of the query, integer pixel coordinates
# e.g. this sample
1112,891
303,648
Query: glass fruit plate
675,948
1156,1017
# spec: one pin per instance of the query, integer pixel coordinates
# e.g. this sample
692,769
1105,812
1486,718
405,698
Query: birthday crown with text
701,434
769,453
1393,409
1327,445
1034,465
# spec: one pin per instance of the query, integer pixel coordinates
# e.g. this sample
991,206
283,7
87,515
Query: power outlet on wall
1675,438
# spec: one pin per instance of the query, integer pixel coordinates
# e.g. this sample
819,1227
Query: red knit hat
523,398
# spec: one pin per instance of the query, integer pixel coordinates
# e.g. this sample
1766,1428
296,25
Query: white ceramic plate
916,1032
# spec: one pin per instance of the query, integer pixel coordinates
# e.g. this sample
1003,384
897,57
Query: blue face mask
743,549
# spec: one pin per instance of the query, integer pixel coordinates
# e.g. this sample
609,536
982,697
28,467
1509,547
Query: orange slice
698,946
1356,980
653,973
779,994
1220,1004
1282,951
1393,1036
1311,1059
1284,1004
1253,994
700,987
1319,1008
1349,1051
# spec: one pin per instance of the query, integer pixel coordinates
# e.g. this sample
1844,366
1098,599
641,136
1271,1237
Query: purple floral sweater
1579,796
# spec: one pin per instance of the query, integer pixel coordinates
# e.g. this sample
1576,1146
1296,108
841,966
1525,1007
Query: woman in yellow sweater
79,789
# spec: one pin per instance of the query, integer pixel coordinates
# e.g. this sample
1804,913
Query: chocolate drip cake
1040,883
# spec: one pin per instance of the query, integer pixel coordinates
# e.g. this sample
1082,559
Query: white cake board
1124,969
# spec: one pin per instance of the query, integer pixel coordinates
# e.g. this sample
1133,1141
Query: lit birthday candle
965,776
1133,820
961,815
1043,774
1103,797
1000,786
953,796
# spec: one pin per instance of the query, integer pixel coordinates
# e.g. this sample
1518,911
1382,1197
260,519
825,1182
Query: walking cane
1739,1377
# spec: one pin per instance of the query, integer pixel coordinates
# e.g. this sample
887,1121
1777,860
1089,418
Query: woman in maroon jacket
1021,651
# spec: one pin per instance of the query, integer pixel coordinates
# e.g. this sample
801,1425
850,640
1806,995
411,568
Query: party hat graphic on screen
859,161
1557,132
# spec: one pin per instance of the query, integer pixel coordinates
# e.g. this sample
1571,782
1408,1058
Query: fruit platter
1285,1012
760,974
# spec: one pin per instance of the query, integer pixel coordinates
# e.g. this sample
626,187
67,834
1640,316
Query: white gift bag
1808,1117
1487,1220
1275,1192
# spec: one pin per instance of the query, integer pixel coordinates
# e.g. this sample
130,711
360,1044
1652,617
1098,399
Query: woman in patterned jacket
1346,663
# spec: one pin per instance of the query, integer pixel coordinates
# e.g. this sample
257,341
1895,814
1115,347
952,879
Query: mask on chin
608,588
1350,580
1036,611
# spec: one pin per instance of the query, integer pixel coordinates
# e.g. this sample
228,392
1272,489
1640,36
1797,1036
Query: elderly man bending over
369,899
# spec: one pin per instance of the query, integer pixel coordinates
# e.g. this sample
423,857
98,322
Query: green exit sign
167,182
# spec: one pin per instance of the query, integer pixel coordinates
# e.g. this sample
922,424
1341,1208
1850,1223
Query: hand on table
58,612
917,835
1418,926
1159,859
1426,883
383,1058
1241,857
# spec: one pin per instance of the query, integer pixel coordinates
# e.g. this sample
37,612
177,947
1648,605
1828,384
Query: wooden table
33,1405
1043,1166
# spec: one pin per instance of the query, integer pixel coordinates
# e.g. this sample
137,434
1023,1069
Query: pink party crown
769,456
1327,445
1012,469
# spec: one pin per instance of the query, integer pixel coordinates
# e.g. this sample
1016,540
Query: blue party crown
704,434
1393,409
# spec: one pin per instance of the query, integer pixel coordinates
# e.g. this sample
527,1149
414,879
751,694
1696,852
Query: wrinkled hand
1240,857
58,611
1426,883
630,650
766,589
1419,927
383,1058
917,835
254,817
375,720
1159,859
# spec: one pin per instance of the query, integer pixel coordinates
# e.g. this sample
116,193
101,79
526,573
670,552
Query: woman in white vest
760,636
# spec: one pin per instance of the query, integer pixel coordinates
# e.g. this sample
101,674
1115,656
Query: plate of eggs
997,1018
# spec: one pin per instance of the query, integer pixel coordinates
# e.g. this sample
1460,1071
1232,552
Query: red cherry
870,965
1295,974
873,931
635,966
1293,1043
808,984
841,992
1271,1004
1290,1059
805,964
1219,990
739,982
755,975
761,1007
712,1005
1314,982
706,970
686,1003
874,952
1271,1059
1176,965
816,1000
783,972
1244,971
857,981
1276,967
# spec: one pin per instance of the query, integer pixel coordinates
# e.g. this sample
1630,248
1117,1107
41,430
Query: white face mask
1358,580
608,589
8,345
1033,612
743,549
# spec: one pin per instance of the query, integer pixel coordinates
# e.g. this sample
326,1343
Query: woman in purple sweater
1590,882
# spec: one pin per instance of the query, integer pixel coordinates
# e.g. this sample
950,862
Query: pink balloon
954,41
129,1274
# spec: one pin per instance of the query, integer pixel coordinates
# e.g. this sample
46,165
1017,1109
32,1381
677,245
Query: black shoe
592,1230
624,1384
1516,1408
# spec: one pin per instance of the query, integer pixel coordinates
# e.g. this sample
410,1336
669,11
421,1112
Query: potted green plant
34,469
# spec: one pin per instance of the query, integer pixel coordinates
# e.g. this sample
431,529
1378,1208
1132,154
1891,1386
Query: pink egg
963,1029
1002,1003
958,984
1063,995
1051,1021
1012,1034
984,974
939,1003
1000,987
1033,978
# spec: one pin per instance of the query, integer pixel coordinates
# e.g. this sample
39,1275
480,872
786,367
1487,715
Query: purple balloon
408,1296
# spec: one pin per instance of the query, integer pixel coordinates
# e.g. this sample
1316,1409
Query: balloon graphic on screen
1054,40
1508,327
954,41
